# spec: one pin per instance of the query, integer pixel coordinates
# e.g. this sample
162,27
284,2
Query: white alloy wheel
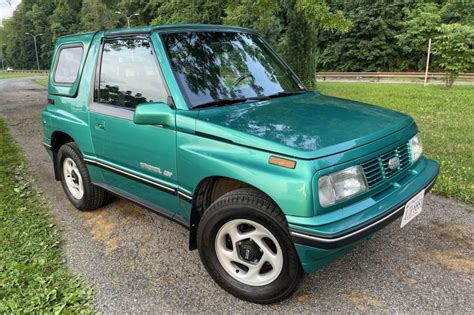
73,178
249,252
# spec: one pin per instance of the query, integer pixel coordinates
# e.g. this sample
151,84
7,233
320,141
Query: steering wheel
240,79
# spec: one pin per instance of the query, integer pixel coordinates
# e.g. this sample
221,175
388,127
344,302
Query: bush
454,48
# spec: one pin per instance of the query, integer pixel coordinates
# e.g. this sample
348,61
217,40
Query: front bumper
333,234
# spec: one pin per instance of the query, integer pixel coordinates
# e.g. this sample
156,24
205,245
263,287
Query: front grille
377,170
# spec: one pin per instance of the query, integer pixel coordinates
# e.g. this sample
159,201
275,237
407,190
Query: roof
168,27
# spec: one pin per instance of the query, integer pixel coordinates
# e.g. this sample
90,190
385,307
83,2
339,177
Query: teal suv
208,126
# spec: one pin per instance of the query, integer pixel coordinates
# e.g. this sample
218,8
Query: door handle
100,124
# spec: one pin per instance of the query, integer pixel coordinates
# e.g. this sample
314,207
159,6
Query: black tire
94,197
249,204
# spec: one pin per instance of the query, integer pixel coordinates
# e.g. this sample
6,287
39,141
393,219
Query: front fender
200,157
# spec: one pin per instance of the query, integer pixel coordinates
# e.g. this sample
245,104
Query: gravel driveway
139,262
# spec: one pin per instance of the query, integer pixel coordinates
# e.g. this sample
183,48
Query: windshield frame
182,89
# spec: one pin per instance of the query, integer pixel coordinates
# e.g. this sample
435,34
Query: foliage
434,108
95,15
458,11
189,11
290,25
455,48
31,16
370,45
65,18
33,278
388,36
319,13
419,25
358,35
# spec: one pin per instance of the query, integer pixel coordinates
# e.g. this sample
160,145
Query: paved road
139,263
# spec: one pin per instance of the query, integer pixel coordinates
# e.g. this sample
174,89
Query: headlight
341,185
416,147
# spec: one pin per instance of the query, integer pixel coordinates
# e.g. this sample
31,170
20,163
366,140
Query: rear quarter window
68,63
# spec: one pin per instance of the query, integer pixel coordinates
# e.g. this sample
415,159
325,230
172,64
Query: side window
68,63
129,74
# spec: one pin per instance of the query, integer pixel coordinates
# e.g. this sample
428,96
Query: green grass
445,118
33,277
42,81
12,75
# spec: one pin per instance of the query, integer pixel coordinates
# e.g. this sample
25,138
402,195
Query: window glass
69,61
129,74
226,65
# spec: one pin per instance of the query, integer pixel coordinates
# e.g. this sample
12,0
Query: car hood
306,126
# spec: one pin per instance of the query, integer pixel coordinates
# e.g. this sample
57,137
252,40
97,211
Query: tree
96,15
418,26
369,45
357,35
291,26
456,11
288,24
65,18
188,11
37,16
30,16
144,8
454,47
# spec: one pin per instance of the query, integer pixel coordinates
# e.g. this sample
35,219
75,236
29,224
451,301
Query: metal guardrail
26,71
343,75
387,75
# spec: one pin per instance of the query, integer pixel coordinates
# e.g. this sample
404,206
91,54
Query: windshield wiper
228,101
286,93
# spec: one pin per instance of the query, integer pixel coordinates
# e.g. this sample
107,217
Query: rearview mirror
154,114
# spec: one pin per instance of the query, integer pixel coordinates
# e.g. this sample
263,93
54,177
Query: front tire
76,181
244,244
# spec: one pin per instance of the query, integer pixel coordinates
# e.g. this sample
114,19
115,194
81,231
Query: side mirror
154,114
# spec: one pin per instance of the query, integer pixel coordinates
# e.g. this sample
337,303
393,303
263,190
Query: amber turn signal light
282,162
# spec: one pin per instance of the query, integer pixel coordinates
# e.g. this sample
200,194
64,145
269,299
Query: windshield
225,66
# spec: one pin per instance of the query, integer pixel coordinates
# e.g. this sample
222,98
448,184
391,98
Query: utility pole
427,62
128,17
36,47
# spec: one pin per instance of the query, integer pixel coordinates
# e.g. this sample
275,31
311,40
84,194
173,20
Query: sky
6,10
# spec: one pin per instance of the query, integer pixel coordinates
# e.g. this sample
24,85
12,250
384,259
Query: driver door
137,162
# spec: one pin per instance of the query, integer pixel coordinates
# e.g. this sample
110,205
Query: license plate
413,208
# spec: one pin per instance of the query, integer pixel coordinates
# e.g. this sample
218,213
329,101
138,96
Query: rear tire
244,244
76,181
